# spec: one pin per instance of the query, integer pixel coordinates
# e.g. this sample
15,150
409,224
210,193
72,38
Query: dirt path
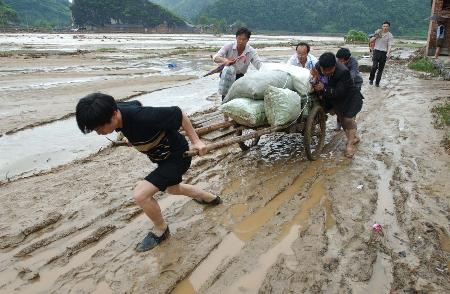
287,225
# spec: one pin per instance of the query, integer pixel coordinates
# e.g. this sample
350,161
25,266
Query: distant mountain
42,13
7,15
407,17
188,9
130,12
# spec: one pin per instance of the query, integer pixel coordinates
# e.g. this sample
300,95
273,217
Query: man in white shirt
302,57
381,52
239,54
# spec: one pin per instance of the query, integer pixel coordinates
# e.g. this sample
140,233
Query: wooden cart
311,124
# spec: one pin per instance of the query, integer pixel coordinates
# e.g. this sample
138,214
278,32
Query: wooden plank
218,134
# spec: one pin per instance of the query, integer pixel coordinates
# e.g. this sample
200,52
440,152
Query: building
440,11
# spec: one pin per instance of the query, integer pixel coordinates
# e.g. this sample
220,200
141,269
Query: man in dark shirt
345,57
340,95
154,132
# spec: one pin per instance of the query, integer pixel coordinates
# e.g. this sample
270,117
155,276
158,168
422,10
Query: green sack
253,84
282,106
245,111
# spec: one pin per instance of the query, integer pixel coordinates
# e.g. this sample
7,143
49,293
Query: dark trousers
379,60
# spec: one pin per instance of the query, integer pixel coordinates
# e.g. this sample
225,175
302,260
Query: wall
436,9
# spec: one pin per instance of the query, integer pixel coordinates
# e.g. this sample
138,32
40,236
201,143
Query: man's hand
318,87
230,61
314,72
201,147
125,139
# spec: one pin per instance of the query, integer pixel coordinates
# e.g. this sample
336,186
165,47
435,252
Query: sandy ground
287,225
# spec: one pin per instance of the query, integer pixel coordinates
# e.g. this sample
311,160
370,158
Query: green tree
136,12
7,15
408,17
50,13
356,36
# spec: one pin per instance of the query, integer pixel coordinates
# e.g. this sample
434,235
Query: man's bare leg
191,191
143,195
438,52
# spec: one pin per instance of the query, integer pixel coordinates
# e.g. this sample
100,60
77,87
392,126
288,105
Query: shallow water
73,42
41,148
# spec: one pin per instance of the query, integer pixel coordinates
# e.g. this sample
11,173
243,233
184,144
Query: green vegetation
188,9
7,15
41,13
354,36
408,17
442,113
423,64
130,12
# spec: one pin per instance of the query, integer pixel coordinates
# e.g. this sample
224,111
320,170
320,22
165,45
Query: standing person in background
381,52
440,33
345,57
239,54
303,58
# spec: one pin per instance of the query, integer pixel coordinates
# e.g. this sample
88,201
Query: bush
423,64
354,36
442,112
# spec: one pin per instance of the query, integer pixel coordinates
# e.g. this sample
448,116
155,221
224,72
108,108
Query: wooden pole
238,139
211,128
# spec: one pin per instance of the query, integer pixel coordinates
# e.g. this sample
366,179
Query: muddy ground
287,225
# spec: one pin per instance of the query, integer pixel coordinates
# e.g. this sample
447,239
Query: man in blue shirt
345,57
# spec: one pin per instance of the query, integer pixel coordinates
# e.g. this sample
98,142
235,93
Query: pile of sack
272,95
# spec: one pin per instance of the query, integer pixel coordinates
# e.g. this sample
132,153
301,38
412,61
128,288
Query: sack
282,106
227,78
300,76
253,84
246,111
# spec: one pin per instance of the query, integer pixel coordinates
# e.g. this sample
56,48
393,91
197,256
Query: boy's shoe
216,201
370,82
377,85
151,241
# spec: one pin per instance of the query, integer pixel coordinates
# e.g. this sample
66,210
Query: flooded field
68,222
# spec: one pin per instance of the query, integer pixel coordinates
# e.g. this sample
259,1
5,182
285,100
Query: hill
42,13
188,9
7,15
408,17
131,12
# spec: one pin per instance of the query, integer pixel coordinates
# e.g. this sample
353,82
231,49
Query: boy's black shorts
169,172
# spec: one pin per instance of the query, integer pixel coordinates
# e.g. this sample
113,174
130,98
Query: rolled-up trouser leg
348,123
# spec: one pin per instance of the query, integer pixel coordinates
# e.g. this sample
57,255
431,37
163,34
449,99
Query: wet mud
287,225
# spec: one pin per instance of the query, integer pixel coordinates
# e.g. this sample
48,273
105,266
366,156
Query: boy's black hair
303,44
327,60
387,22
94,110
245,31
343,53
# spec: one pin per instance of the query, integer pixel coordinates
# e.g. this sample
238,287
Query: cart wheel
245,145
314,136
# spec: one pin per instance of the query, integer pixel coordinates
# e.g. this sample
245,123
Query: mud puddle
42,148
246,229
